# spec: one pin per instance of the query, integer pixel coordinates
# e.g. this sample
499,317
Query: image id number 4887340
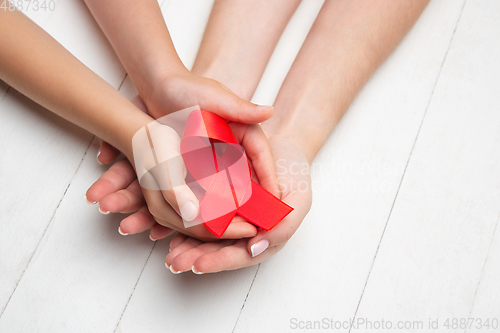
28,5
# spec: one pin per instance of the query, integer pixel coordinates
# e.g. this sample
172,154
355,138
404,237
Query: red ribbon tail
263,209
219,225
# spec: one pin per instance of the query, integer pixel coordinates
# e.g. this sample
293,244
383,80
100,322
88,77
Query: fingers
188,243
159,232
177,240
157,153
223,102
118,177
239,228
231,257
141,221
284,230
123,201
137,222
185,260
258,150
107,153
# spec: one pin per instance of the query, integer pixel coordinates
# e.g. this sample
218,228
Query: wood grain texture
40,151
440,230
404,223
486,307
322,271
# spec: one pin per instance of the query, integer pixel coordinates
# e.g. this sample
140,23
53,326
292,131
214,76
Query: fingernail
189,211
90,202
121,232
259,247
166,265
98,154
174,271
153,239
195,271
263,108
103,212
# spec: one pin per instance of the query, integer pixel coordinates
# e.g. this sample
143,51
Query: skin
347,43
32,62
138,33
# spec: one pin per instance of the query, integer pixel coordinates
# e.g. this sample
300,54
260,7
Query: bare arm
239,40
347,43
139,35
35,64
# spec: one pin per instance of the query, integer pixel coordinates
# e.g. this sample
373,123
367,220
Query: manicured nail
195,271
103,212
90,202
264,108
166,265
189,211
174,271
98,154
259,247
153,239
121,232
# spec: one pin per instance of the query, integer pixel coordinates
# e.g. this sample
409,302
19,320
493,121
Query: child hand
118,191
181,91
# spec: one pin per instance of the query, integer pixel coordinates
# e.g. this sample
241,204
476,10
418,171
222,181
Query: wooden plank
185,302
83,271
68,264
186,21
214,300
41,152
322,271
40,155
81,261
485,313
440,230
286,50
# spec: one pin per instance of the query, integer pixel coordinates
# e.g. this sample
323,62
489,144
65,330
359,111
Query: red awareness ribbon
217,163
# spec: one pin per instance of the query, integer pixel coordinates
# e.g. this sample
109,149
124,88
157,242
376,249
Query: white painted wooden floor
406,199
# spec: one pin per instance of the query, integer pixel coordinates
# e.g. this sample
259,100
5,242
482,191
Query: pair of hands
194,248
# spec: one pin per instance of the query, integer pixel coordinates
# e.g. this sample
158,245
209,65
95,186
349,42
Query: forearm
347,43
239,40
139,35
32,62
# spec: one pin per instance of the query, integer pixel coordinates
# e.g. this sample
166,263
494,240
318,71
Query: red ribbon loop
218,164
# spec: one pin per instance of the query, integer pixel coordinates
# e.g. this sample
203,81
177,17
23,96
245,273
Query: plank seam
135,286
47,227
408,161
482,272
246,297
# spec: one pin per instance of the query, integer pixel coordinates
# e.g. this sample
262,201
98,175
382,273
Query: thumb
228,105
160,166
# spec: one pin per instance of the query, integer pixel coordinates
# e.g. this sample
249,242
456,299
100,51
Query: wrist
153,70
131,121
228,74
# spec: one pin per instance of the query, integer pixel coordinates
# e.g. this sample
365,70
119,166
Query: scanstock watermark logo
177,155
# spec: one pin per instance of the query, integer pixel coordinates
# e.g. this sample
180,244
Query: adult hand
209,257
